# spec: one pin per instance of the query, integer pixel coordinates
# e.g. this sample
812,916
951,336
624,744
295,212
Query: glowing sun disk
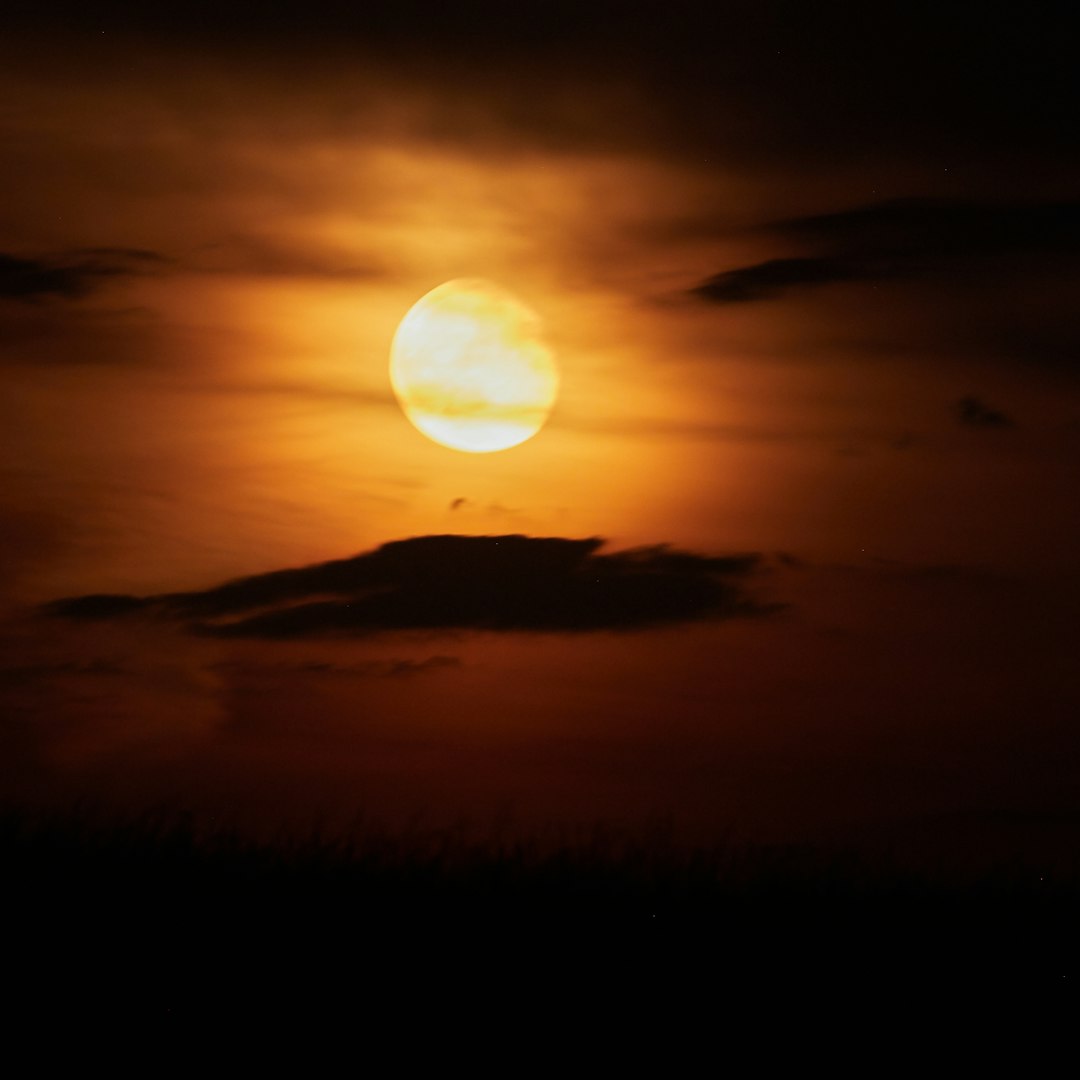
470,369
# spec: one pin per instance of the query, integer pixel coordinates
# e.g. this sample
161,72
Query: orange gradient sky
212,241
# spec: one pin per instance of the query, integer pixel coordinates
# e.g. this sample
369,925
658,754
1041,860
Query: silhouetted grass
183,913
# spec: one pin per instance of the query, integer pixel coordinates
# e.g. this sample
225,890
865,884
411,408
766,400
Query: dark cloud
901,238
777,275
71,275
31,279
973,412
457,582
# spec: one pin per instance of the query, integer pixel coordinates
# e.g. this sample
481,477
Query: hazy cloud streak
69,276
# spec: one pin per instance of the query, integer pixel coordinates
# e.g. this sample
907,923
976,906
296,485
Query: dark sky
796,549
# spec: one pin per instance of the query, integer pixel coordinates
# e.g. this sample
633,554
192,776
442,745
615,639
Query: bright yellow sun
470,368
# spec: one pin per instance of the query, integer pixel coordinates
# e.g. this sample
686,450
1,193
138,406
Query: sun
470,368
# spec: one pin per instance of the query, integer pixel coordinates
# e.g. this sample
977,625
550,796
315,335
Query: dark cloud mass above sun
768,79
457,582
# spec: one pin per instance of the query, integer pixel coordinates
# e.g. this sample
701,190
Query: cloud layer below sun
456,582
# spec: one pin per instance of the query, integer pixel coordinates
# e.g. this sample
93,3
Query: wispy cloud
973,412
903,238
70,275
765,279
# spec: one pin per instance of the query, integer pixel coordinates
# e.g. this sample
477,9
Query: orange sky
200,392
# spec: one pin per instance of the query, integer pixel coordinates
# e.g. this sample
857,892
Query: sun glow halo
470,369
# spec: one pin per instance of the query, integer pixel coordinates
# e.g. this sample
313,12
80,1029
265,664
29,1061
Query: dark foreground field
173,919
